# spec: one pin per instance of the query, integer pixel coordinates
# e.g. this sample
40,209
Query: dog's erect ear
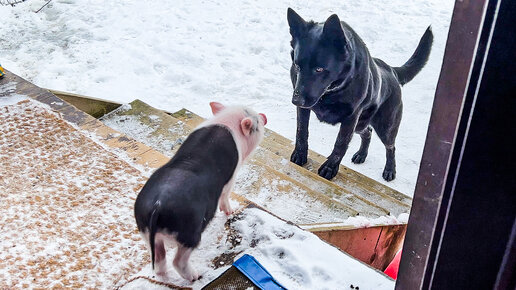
296,23
332,30
216,107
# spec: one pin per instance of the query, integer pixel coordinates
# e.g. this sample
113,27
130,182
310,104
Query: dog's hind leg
386,128
361,154
388,137
389,172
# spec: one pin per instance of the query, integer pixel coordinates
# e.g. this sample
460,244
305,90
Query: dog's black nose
296,100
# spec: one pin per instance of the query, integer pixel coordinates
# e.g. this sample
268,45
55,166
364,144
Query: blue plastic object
253,270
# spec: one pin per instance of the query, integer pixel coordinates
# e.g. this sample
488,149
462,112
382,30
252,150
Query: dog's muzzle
301,102
298,100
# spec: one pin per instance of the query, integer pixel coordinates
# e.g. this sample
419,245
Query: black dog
334,75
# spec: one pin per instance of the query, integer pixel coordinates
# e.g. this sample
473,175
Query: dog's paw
359,157
389,174
328,170
299,157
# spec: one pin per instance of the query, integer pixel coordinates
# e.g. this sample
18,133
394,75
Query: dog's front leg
330,168
300,154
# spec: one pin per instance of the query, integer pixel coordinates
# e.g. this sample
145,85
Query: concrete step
350,185
276,191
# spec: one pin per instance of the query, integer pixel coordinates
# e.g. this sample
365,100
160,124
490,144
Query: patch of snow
359,222
296,258
403,218
11,100
300,260
7,95
284,198
132,127
154,118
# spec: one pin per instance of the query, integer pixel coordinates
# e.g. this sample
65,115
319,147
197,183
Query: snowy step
351,184
268,153
150,126
317,183
276,191
348,187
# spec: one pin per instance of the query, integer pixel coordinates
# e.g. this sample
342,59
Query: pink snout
264,118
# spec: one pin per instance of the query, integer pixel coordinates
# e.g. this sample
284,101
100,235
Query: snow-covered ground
296,258
174,54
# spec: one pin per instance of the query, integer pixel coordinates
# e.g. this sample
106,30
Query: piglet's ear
247,126
216,107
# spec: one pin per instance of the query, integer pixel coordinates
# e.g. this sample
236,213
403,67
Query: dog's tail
418,60
152,228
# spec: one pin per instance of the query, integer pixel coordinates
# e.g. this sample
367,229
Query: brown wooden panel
390,242
375,246
448,103
92,106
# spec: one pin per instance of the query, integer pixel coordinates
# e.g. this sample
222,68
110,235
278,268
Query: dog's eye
319,69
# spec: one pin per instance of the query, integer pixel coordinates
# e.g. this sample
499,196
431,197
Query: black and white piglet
180,198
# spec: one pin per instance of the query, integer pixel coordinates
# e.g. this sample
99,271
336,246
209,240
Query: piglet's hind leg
181,263
160,257
224,197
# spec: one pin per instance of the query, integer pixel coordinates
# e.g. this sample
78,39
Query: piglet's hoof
229,212
226,209
186,271
195,277
192,276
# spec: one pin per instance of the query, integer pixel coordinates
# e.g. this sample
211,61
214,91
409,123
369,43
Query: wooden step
351,182
150,126
349,188
260,182
317,183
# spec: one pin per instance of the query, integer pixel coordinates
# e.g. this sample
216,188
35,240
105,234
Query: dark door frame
461,229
